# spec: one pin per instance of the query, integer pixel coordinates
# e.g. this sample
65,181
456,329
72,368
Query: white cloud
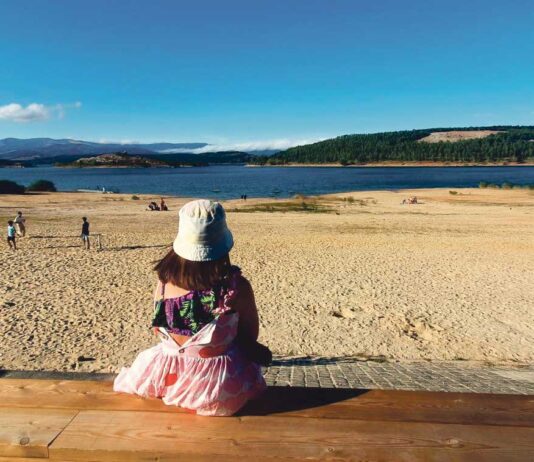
34,112
277,144
17,113
111,141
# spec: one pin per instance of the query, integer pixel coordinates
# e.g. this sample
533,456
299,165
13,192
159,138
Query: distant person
208,360
11,240
20,224
163,205
245,197
85,233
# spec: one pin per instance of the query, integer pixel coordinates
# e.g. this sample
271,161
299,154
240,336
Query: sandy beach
355,274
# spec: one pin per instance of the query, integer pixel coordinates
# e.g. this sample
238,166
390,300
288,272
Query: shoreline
400,164
122,196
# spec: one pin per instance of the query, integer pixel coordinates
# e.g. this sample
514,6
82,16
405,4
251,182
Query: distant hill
116,159
13,163
221,157
48,150
452,145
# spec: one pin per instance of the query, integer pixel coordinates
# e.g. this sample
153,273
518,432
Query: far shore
405,164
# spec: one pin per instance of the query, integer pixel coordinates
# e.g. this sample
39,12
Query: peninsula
117,159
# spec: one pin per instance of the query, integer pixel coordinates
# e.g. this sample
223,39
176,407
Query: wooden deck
85,420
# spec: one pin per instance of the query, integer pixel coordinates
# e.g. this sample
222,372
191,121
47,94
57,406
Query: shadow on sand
134,247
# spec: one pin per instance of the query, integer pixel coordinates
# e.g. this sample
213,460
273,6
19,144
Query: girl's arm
245,305
157,296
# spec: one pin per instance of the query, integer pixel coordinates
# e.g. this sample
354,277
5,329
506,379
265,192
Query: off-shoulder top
187,314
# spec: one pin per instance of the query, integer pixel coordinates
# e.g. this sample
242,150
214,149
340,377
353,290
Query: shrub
42,185
135,198
10,187
506,186
350,199
482,184
453,192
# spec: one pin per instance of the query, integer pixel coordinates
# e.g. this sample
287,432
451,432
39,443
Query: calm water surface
230,181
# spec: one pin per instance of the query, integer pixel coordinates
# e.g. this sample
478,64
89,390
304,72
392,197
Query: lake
230,181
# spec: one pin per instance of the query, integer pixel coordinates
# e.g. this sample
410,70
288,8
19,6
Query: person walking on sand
205,314
163,205
20,224
85,233
11,240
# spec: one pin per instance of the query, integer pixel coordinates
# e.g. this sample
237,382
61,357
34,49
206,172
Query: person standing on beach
11,240
208,360
85,233
20,224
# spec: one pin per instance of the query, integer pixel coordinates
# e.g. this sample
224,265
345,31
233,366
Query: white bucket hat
202,232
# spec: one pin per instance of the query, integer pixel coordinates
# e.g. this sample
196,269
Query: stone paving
349,373
431,376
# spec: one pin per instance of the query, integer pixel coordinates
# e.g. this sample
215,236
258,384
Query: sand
458,135
448,279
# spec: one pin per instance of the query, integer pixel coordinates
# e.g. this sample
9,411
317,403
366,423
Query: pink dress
208,374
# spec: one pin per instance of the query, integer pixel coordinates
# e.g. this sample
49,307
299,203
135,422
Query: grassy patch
309,206
506,185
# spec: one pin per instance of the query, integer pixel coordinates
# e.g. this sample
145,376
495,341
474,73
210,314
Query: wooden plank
73,394
116,435
28,432
381,405
28,459
396,405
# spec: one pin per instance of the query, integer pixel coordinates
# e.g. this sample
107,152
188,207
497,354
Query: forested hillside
511,143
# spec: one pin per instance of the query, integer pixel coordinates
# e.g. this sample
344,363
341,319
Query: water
230,181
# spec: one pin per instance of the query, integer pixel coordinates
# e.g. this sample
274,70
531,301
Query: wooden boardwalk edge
70,421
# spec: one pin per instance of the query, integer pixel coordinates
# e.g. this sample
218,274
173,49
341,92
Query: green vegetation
10,187
513,144
454,193
221,157
310,205
484,185
135,198
42,186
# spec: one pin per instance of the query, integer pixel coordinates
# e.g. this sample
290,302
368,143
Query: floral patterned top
187,314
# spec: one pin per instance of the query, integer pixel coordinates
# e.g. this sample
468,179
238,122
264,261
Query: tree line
513,144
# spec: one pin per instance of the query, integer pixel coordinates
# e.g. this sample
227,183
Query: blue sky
261,72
